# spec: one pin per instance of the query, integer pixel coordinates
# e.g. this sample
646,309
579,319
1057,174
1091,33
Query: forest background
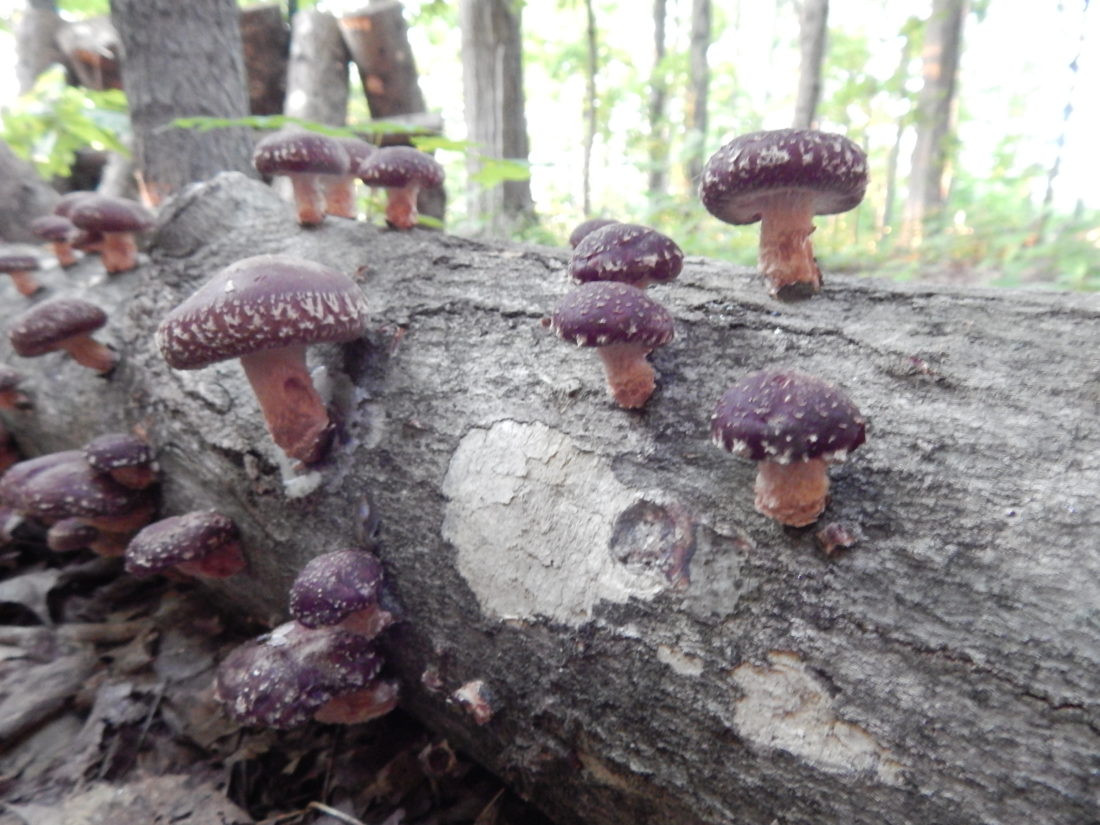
614,127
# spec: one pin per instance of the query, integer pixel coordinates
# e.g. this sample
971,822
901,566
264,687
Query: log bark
813,29
265,40
23,197
378,39
317,76
657,652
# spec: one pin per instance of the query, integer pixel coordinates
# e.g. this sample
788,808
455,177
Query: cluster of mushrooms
792,424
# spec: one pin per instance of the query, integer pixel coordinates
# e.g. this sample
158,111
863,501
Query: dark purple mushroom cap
281,679
398,166
10,378
584,228
178,539
786,416
62,485
606,312
41,328
17,262
358,151
334,585
53,228
260,303
296,152
114,451
741,177
70,534
626,252
102,213
69,201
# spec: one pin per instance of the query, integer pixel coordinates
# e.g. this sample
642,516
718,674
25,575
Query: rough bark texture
492,91
23,197
657,651
182,60
317,77
813,25
378,39
265,40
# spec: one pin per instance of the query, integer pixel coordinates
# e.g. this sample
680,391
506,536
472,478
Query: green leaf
495,171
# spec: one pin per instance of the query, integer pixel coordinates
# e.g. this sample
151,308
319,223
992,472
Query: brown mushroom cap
262,303
599,313
177,540
626,252
40,329
103,213
398,166
62,485
10,378
53,228
117,451
17,262
297,151
70,200
742,176
585,228
334,585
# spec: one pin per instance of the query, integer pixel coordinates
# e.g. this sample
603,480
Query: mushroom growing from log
58,231
265,310
126,458
628,253
341,589
20,267
402,171
11,397
783,178
202,543
117,220
307,159
340,189
794,426
64,324
625,325
584,228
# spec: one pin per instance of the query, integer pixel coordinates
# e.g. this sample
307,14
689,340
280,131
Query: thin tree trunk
35,41
317,76
266,44
935,118
813,32
91,48
590,102
378,39
180,60
658,97
496,122
699,88
23,197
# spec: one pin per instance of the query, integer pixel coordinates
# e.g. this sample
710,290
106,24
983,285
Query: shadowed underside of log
656,651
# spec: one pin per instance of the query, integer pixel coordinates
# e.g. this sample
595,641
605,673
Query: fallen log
652,650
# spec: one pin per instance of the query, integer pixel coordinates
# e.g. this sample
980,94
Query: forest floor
107,716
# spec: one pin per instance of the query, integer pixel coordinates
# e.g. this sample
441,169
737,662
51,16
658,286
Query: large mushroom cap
626,252
282,678
260,303
102,213
399,166
334,585
62,485
178,539
40,329
785,416
300,152
606,312
742,176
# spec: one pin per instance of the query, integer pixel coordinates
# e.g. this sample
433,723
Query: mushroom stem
359,706
118,252
340,196
63,251
309,196
87,351
630,377
295,414
25,282
786,254
225,561
401,210
793,493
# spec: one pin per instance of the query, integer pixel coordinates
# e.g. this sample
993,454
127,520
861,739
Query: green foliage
50,123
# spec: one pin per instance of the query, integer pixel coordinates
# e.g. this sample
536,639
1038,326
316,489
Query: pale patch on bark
531,516
785,707
686,664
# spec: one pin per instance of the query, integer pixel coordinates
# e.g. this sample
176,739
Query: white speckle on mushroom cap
41,328
295,151
333,585
398,166
607,312
62,485
178,539
626,252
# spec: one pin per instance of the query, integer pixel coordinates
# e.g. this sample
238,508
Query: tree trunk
317,79
591,103
658,652
492,73
36,43
658,97
181,60
91,49
378,39
935,118
265,42
699,89
23,197
813,31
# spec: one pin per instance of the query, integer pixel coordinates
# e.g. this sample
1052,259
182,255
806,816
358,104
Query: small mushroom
584,228
294,673
628,253
21,268
625,325
117,220
341,589
265,310
124,457
59,232
11,397
63,324
75,534
402,171
201,543
783,178
306,158
793,425
340,189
